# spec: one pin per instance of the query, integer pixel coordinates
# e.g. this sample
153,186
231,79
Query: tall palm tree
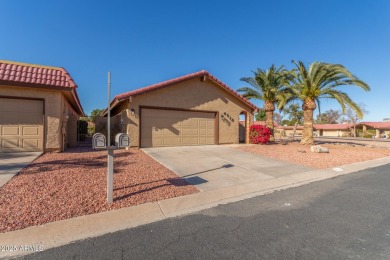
270,86
321,80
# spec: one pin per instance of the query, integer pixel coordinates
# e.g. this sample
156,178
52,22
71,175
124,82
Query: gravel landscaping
58,186
339,154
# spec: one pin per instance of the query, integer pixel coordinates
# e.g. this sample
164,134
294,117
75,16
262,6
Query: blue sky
145,42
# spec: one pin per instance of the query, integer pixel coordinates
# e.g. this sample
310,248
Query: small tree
278,118
259,134
294,113
287,122
329,117
352,117
260,116
95,113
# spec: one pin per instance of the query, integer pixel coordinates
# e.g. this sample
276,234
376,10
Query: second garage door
176,128
21,125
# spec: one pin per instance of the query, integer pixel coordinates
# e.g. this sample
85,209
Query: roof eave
113,104
78,103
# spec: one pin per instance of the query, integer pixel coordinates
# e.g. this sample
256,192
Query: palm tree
321,80
269,86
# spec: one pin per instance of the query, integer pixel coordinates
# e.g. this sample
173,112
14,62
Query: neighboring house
196,109
39,108
381,128
333,130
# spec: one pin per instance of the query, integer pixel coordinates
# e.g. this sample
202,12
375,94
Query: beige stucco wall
71,131
191,94
53,112
69,123
335,133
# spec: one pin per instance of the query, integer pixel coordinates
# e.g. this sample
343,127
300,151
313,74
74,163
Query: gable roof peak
166,83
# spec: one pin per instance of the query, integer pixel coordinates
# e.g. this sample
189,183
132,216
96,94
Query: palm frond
250,93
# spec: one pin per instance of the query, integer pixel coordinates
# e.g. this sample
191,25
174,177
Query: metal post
110,152
109,111
110,175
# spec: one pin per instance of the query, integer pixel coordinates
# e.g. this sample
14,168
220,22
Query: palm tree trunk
269,122
269,108
307,135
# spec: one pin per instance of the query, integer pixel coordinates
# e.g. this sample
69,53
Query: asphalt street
347,217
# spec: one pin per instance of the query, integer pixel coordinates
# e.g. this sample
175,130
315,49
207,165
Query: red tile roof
180,79
378,125
332,126
32,75
35,74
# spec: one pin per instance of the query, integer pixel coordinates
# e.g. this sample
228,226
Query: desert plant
259,134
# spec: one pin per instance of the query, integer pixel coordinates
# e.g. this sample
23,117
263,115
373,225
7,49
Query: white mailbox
99,141
122,140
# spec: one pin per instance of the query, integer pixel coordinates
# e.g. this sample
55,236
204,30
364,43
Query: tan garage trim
161,127
21,124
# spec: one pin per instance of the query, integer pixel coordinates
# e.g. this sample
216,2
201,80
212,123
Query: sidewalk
66,231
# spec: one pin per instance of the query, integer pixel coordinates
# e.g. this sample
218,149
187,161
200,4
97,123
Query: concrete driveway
216,166
12,163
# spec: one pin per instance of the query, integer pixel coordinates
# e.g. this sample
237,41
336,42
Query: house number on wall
226,116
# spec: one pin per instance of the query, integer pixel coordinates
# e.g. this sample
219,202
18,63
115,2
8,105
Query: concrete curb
63,232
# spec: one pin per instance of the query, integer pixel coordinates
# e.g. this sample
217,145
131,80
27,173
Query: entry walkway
217,166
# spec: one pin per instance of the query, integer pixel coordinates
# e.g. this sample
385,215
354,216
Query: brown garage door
176,128
21,125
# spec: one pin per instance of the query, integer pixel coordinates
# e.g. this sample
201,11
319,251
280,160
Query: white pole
110,152
109,111
110,175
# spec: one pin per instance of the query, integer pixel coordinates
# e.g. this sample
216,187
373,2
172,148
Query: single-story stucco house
39,108
381,128
195,109
333,130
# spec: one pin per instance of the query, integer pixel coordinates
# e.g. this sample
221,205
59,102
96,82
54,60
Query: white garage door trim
21,124
195,127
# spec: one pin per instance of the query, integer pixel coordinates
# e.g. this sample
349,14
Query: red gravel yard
339,154
58,186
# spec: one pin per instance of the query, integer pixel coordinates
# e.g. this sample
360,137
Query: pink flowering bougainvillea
259,134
